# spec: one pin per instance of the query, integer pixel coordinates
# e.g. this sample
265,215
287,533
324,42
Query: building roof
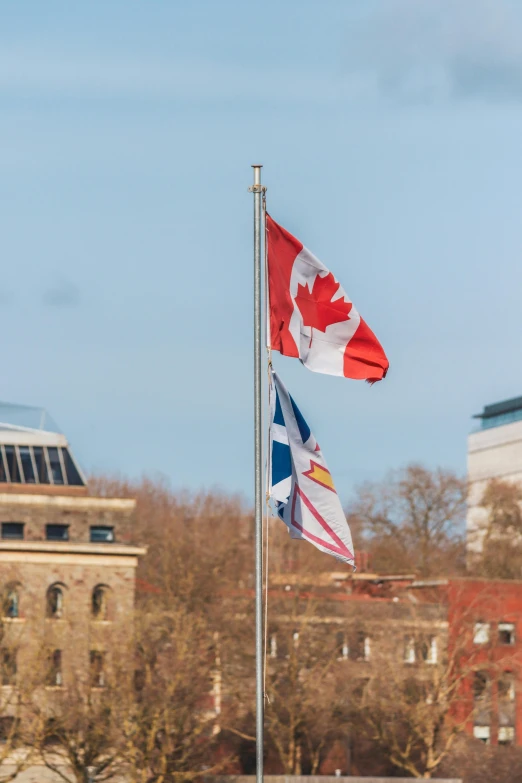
26,417
33,450
506,406
499,413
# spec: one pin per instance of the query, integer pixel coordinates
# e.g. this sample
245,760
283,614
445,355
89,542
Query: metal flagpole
257,190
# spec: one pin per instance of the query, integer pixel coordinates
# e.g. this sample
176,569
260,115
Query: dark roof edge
506,406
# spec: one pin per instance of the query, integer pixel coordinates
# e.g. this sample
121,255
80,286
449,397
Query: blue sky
390,137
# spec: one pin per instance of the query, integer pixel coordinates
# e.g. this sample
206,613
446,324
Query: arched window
100,602
11,603
55,601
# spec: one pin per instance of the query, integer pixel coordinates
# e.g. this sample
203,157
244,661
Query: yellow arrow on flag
320,475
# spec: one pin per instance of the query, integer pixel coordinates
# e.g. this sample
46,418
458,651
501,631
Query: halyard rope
268,458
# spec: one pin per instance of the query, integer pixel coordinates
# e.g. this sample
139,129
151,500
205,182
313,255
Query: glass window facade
26,459
73,477
13,531
102,534
57,532
55,465
12,465
500,419
506,633
38,465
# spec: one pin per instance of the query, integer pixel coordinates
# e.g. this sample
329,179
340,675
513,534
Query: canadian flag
312,318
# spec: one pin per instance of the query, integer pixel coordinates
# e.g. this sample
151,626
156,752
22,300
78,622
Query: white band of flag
300,482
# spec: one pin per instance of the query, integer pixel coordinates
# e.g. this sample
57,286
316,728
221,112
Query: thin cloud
61,295
30,69
6,298
430,50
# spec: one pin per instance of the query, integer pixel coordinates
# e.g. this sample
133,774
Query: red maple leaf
316,306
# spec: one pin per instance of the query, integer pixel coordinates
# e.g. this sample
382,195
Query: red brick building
472,627
485,622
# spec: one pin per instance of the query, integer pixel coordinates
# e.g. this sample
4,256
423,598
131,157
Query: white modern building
494,451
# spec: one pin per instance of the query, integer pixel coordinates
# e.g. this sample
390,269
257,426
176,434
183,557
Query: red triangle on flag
339,548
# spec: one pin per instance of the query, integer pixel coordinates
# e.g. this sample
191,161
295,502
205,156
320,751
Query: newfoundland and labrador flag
300,482
312,318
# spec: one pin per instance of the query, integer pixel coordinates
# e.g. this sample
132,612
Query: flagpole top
257,187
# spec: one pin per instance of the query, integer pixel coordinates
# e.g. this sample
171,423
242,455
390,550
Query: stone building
67,567
494,451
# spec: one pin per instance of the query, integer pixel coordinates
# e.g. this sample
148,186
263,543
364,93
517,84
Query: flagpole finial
257,187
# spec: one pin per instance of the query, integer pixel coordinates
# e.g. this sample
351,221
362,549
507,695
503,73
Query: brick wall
77,567
37,511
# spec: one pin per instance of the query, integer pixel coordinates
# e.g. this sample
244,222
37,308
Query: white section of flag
319,351
301,482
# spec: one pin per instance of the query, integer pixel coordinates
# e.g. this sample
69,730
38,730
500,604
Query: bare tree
79,737
170,721
472,760
413,520
19,727
305,711
199,544
500,553
419,698
198,574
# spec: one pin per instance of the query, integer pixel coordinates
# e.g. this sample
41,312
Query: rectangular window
55,465
57,532
54,673
73,476
432,656
409,650
41,465
97,669
343,650
482,733
102,534
506,687
4,473
506,699
27,464
481,633
12,464
361,647
506,633
506,735
427,650
8,666
480,686
13,531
